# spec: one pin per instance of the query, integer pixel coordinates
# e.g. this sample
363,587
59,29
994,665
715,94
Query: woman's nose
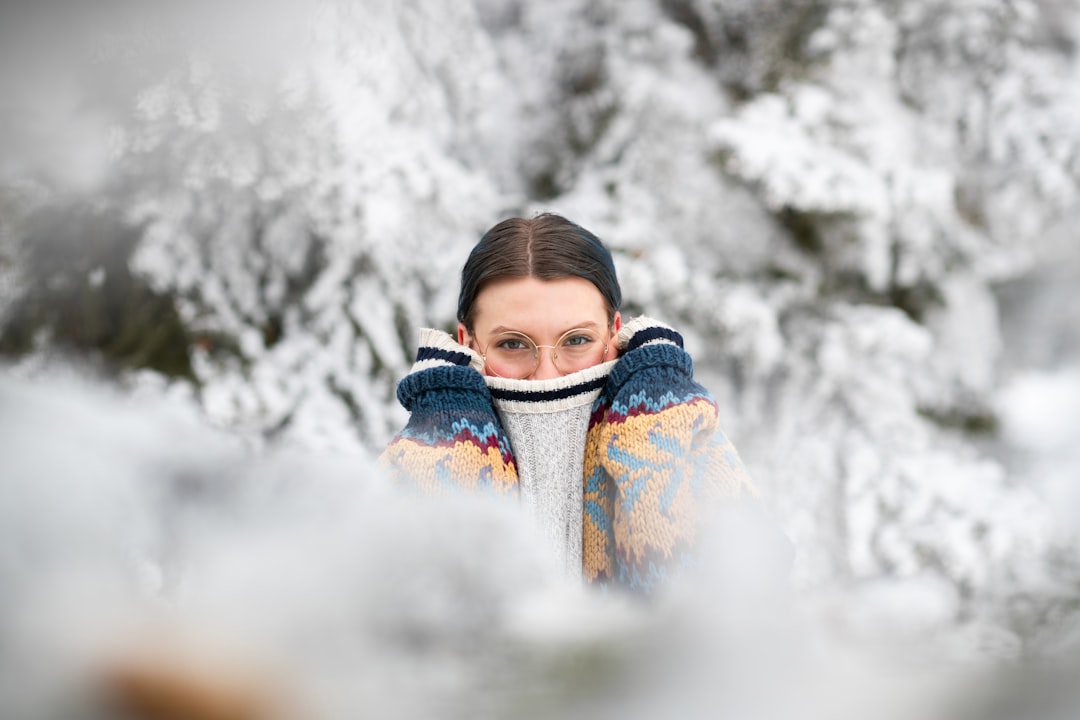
545,369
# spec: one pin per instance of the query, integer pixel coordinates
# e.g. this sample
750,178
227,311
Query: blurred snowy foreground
151,566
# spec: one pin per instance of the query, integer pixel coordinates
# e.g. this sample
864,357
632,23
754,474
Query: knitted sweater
653,450
547,423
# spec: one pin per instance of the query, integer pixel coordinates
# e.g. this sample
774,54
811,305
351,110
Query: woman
598,427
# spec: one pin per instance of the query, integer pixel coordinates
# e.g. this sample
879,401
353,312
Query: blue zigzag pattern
673,468
644,401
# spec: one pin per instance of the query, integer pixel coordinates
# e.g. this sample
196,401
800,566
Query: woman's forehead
514,303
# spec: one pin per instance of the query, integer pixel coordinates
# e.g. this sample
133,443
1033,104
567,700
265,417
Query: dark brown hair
547,247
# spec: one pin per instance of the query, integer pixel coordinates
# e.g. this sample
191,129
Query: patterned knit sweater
653,456
547,423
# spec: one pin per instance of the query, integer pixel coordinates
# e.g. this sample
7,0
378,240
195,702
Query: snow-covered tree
822,194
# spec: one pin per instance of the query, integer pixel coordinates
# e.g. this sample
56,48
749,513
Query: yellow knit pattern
440,469
647,475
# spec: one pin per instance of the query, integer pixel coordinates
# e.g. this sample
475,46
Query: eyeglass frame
554,350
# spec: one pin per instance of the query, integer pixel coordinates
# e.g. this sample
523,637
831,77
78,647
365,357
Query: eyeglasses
515,355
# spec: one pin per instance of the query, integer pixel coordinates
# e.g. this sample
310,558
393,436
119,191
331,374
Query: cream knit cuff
644,330
437,348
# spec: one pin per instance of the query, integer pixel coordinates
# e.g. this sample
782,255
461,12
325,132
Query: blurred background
860,213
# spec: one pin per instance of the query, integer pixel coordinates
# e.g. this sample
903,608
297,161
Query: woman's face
543,311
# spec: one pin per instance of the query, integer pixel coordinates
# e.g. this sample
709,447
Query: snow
850,214
1040,410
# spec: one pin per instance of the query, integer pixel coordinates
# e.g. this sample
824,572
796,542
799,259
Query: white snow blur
136,536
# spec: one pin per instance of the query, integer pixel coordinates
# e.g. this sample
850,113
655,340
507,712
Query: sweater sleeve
453,439
656,454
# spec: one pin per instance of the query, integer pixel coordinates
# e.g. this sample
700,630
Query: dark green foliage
753,47
979,421
804,228
544,185
689,16
80,294
915,300
588,105
822,235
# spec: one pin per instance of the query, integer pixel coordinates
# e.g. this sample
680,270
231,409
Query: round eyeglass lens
579,349
512,355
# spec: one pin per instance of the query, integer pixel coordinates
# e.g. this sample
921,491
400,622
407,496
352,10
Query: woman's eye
512,345
577,340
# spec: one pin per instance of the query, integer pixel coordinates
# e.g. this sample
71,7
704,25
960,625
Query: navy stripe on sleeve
653,333
451,356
